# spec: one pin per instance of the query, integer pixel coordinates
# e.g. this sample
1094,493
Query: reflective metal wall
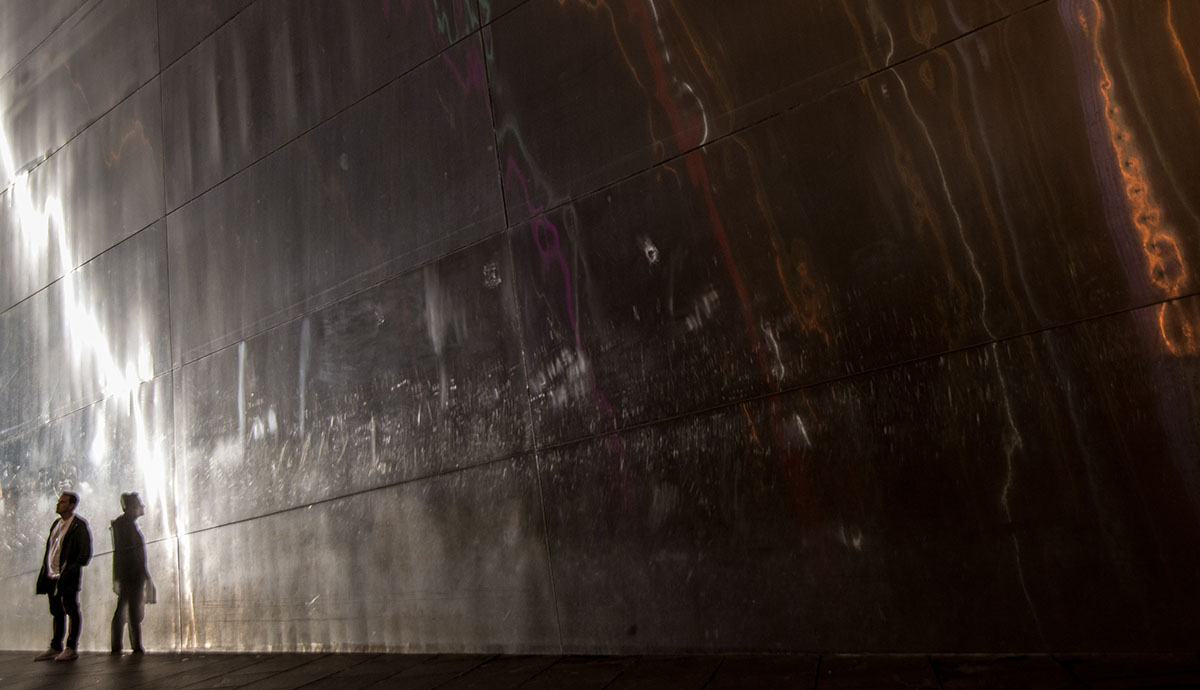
653,325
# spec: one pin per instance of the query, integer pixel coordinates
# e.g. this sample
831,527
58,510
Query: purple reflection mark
549,254
471,75
546,237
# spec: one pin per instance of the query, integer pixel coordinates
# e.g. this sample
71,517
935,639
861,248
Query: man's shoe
47,655
68,654
138,650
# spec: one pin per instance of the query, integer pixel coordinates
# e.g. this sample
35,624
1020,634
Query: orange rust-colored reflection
753,429
1164,263
77,85
1179,323
922,24
1181,54
799,286
136,133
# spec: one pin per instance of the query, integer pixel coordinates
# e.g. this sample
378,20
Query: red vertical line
698,174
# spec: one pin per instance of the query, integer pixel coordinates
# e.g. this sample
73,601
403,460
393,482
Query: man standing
129,573
68,549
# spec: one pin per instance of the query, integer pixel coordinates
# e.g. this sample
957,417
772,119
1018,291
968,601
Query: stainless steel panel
491,9
120,444
280,67
26,24
123,443
100,55
1007,497
588,93
99,331
27,616
99,189
184,23
329,214
419,375
450,563
925,209
859,326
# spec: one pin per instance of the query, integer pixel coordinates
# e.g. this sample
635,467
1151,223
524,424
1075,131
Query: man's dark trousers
64,606
132,599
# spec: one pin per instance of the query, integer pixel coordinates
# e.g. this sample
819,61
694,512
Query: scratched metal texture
122,443
1022,507
334,211
97,332
35,459
640,326
418,376
456,561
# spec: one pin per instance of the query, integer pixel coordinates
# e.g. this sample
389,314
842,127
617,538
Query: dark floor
490,672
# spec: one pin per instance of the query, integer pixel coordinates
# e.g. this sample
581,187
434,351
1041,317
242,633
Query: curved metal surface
641,326
1010,481
418,376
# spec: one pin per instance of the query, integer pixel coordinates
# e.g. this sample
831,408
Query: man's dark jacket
129,552
75,553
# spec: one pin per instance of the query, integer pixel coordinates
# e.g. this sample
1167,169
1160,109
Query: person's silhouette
130,576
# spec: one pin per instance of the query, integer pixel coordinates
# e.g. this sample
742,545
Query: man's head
131,503
66,504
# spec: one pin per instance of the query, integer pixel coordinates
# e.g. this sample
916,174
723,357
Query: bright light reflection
99,449
39,248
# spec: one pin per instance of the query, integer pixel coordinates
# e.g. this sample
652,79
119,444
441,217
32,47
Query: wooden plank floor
261,671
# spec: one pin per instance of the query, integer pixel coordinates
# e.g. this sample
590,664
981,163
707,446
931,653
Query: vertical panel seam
487,76
537,460
166,246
